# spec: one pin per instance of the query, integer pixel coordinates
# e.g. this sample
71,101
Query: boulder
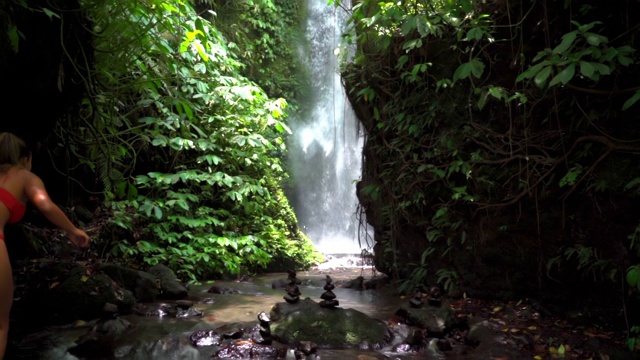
327,327
171,288
144,285
436,320
83,296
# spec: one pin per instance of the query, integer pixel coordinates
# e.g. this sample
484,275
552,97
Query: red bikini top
16,208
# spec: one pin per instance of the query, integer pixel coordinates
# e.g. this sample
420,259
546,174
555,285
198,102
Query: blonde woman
17,186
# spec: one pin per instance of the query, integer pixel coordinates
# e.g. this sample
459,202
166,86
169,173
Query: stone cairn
263,335
293,293
329,298
435,296
416,301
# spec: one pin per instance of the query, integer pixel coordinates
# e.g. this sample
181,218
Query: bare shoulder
30,179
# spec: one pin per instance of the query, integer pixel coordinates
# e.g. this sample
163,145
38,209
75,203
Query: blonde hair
12,149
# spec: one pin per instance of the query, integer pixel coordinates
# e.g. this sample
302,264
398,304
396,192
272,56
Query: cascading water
326,148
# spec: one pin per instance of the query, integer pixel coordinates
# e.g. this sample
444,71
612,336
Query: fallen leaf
54,285
561,350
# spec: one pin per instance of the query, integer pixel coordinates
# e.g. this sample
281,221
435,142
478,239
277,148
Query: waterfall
326,147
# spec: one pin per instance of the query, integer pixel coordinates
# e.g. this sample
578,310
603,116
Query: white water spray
326,148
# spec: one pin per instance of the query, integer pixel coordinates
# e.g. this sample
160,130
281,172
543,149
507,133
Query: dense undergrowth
502,146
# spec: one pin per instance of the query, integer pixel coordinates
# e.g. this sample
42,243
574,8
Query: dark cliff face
45,80
497,200
45,77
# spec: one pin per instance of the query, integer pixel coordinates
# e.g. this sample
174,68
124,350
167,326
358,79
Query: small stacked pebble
263,335
293,293
435,296
416,301
329,298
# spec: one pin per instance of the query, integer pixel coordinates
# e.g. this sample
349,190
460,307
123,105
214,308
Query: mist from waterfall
326,148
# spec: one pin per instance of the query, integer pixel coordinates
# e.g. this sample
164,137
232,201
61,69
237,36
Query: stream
153,337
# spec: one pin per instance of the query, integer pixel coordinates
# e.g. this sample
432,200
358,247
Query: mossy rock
336,327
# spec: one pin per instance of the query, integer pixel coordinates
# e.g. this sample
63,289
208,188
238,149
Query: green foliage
264,34
633,277
633,280
418,278
496,126
588,260
633,341
188,149
580,52
449,279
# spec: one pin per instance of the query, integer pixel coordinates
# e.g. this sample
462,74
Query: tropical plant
495,135
187,148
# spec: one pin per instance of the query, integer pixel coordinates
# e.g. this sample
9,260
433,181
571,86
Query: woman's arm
38,196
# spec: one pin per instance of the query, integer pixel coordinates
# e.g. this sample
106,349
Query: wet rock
404,348
307,347
109,310
144,285
82,295
177,310
416,301
249,350
262,333
170,286
328,327
376,282
490,342
436,320
357,283
164,310
112,326
416,338
205,338
190,312
435,296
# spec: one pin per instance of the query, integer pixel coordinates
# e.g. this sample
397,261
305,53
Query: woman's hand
79,238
